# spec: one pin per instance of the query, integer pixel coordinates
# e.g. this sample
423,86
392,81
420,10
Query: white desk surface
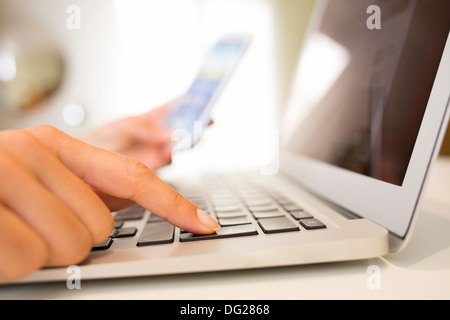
420,271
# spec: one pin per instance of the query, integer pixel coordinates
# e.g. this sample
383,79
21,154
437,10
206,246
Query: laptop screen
366,76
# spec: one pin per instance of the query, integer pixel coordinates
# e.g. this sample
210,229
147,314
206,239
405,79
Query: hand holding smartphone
195,106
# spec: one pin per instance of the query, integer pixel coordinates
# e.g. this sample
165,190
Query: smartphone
192,111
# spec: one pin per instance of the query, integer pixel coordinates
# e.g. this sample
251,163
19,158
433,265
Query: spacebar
225,232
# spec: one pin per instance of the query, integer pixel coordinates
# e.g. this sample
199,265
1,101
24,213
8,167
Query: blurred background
80,64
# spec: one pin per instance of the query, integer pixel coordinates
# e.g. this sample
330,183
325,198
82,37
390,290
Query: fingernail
207,220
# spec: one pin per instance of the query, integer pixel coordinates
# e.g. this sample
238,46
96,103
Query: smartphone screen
218,66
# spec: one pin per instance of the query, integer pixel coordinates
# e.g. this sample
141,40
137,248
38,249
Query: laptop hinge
340,210
343,212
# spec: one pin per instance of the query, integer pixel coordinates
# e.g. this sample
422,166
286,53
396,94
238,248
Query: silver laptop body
365,119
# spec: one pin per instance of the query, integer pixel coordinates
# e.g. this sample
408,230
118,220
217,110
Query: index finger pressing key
129,179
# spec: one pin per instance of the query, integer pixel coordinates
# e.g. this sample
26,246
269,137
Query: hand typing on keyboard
55,193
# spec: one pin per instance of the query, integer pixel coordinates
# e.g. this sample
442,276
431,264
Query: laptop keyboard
241,206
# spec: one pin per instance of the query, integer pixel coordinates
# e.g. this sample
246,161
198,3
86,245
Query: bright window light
162,44
8,68
323,62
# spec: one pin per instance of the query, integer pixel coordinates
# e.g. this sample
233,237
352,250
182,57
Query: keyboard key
255,202
133,213
231,214
222,196
300,214
267,207
281,198
204,208
311,224
228,207
225,232
276,225
268,214
194,195
154,218
291,206
104,245
114,233
234,221
201,203
226,200
251,193
126,232
156,233
284,201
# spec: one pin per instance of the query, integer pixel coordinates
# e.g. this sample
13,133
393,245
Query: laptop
364,122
